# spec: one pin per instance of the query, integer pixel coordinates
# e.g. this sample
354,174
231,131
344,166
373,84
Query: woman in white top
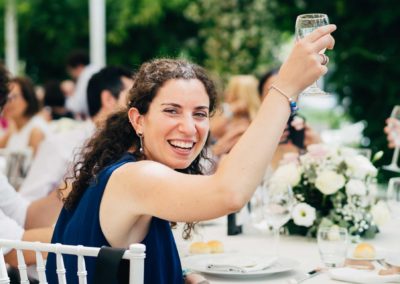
26,130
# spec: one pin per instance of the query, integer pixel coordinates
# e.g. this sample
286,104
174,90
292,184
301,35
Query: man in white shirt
81,71
107,91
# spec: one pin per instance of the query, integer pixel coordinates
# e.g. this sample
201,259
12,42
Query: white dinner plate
200,262
393,260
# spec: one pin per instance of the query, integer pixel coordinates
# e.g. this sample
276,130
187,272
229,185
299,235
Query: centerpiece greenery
332,186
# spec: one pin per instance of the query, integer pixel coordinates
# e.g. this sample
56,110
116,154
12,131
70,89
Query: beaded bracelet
293,105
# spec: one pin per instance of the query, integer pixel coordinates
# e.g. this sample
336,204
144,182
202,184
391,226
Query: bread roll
199,248
364,250
216,246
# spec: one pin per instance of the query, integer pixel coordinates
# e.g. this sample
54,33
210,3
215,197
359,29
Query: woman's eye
172,111
201,114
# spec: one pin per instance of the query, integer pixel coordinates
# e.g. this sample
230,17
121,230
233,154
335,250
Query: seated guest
106,92
141,170
297,134
12,228
240,106
26,129
54,101
392,130
81,70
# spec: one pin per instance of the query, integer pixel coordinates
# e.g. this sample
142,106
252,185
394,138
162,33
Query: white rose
356,187
288,174
329,182
303,215
380,213
360,167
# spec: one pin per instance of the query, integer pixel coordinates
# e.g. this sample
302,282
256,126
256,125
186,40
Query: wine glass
393,197
278,205
305,24
394,132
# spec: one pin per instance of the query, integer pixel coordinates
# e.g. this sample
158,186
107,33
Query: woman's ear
136,119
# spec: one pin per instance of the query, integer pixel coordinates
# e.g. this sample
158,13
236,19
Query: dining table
303,250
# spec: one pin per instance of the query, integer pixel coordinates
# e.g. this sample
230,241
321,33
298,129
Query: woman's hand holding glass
306,24
304,65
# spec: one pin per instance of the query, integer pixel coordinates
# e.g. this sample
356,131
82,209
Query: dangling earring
141,143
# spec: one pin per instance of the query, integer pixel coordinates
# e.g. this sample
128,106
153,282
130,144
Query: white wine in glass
393,165
305,24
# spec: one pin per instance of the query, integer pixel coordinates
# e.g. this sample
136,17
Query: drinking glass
305,24
332,245
393,165
278,205
393,197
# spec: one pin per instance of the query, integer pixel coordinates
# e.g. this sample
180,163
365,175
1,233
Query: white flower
360,167
329,182
288,174
356,187
303,215
380,213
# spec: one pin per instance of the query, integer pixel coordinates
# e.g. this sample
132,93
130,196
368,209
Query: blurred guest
54,101
106,92
266,81
26,129
298,134
80,70
392,130
241,103
12,215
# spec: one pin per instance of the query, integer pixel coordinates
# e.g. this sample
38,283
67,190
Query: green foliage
136,31
235,35
366,56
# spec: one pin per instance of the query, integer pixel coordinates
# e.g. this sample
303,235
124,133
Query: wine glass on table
305,24
278,205
393,197
395,115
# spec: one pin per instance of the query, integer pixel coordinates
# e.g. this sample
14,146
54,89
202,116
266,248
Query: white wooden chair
135,254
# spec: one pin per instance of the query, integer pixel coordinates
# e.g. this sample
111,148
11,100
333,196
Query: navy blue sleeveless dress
81,226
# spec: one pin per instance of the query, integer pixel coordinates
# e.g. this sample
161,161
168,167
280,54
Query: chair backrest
135,254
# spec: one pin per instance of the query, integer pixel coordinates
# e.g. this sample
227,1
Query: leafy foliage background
227,37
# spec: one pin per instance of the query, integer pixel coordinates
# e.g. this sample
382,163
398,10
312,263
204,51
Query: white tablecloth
302,249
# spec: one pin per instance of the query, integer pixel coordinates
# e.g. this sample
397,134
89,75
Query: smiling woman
142,171
182,109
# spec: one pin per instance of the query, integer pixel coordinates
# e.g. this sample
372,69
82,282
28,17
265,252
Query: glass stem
275,232
395,156
313,85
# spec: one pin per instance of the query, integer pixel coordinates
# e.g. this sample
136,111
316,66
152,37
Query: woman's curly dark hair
117,135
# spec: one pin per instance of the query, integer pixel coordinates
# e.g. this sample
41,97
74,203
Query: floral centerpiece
332,186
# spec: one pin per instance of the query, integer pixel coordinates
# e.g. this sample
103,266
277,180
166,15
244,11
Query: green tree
136,31
366,56
236,35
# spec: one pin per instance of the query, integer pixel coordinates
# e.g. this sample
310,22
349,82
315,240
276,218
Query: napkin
241,264
362,276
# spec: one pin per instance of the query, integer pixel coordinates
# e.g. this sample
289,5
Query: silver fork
383,263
